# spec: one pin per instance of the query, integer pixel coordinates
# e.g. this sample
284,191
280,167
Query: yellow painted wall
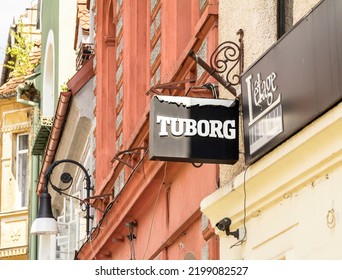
294,198
15,119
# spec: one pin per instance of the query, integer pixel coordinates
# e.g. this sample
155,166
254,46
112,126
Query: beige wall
293,194
301,8
14,120
258,20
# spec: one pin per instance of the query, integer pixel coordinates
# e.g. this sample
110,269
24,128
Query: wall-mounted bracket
176,85
224,60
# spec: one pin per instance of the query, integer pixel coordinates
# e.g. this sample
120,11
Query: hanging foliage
20,62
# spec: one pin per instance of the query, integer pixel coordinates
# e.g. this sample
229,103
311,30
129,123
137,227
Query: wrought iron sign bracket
177,85
224,60
133,151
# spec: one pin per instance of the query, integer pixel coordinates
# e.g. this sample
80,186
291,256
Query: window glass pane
22,179
73,236
23,142
69,240
22,170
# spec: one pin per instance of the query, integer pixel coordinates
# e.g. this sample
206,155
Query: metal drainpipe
33,244
33,239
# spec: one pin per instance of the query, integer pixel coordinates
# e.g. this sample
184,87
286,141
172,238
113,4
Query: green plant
20,62
64,87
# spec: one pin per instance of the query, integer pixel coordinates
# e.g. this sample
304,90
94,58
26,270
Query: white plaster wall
48,105
76,135
67,54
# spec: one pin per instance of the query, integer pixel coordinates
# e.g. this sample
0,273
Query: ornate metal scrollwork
67,180
225,59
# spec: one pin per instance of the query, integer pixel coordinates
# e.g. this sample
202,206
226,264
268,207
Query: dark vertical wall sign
294,82
198,130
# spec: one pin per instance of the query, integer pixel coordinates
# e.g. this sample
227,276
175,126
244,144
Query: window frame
21,176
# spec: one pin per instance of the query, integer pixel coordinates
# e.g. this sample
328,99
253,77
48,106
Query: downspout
33,245
74,84
33,239
54,137
20,89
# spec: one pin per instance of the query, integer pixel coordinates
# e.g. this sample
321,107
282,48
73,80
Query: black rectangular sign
294,82
197,130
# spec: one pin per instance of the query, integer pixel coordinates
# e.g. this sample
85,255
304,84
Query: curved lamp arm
45,210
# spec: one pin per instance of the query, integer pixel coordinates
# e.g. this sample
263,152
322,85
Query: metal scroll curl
225,59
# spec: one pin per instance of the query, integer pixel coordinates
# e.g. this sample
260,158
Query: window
21,170
285,16
70,224
155,41
119,73
119,183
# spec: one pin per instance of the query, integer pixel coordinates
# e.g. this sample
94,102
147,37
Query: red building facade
148,209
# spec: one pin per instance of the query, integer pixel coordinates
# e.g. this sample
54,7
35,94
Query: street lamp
45,223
